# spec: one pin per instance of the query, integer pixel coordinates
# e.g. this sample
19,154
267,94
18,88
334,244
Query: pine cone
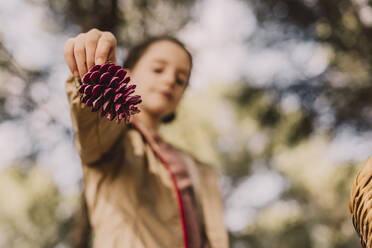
105,88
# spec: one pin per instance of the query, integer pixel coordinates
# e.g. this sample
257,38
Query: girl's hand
87,49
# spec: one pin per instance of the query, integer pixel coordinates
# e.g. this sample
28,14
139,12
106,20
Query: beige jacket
131,197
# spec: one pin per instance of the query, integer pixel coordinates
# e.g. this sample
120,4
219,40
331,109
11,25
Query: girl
140,191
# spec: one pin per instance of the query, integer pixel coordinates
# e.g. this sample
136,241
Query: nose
170,79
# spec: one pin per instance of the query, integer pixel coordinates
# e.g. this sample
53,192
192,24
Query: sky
217,38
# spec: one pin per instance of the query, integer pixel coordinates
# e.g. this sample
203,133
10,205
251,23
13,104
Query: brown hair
80,235
136,52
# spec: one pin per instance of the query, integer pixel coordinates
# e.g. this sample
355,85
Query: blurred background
280,102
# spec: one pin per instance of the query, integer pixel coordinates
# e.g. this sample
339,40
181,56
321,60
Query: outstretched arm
94,135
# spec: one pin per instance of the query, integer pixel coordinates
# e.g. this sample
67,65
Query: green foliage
344,30
33,212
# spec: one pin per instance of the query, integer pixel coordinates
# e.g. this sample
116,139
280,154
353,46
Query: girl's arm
94,136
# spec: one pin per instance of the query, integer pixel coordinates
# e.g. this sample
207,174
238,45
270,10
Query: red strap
154,147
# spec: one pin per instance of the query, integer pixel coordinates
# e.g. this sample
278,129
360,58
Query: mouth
166,94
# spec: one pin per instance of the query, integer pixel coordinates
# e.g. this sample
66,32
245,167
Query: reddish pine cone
105,87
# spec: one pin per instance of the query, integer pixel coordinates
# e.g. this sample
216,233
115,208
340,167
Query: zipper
178,193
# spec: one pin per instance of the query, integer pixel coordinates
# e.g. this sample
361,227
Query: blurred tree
33,212
312,211
10,69
131,21
344,30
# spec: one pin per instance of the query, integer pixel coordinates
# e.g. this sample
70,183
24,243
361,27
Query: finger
106,43
91,46
80,55
68,53
112,55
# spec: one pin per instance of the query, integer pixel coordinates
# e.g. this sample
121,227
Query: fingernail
76,73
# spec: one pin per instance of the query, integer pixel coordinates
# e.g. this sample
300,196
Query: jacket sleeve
94,136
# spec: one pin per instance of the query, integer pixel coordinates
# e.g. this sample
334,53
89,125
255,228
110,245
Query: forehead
168,52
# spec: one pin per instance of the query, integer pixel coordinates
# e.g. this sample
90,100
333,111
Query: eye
157,70
180,81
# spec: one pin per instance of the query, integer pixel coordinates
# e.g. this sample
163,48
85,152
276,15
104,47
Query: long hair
81,232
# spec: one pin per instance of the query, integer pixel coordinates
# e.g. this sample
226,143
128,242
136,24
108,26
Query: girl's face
161,75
